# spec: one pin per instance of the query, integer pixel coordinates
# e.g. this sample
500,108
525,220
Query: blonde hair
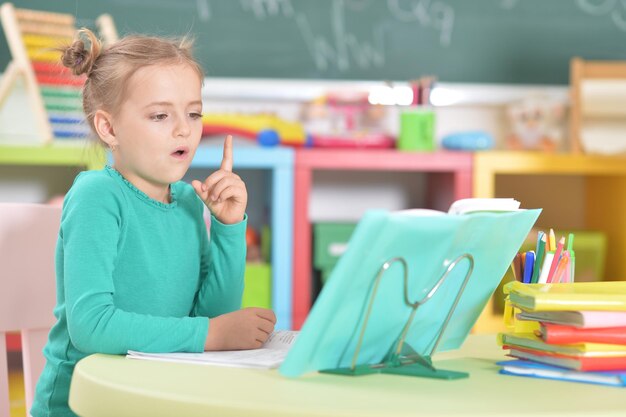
110,67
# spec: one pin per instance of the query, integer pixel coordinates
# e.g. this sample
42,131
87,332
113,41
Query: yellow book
513,324
530,341
606,296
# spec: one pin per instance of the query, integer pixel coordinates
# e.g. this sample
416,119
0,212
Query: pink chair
28,234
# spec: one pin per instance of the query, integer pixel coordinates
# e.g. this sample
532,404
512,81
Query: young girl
135,267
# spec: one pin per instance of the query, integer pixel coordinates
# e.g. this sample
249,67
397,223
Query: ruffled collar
140,194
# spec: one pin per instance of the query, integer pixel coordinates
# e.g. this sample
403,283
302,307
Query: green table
106,385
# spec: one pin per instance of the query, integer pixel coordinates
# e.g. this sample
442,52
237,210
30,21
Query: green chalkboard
478,41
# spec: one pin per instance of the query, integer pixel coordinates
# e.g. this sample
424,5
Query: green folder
428,243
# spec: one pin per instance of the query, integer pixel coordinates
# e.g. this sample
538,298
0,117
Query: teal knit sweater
134,273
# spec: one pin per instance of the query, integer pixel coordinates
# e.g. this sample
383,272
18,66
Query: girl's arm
223,263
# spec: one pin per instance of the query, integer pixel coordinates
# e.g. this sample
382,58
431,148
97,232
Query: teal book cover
428,243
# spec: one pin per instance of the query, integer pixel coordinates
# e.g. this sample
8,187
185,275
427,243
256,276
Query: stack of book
574,331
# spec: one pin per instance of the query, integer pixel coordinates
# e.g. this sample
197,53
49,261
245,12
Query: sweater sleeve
222,269
90,232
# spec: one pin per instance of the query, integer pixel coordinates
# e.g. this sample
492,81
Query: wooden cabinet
575,191
448,178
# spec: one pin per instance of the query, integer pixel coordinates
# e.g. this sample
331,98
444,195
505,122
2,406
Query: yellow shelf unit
601,182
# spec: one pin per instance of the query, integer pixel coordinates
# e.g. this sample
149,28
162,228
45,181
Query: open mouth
180,152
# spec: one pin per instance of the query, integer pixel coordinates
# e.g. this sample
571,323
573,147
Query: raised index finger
227,159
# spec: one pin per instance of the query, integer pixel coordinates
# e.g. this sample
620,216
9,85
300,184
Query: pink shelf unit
449,177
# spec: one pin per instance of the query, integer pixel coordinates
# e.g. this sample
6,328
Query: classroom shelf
85,155
603,199
450,176
449,179
280,162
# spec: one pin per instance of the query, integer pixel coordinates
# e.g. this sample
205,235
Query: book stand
401,358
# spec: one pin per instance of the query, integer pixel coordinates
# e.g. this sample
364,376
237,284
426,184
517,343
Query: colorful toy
54,93
267,129
346,120
468,141
536,123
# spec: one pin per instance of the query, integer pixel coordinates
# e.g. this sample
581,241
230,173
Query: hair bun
77,57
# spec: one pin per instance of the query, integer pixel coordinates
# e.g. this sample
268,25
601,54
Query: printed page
282,339
470,205
420,212
270,355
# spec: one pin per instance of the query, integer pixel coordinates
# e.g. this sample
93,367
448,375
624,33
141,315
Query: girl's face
158,127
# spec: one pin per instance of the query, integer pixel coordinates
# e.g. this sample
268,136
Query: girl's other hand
248,328
223,192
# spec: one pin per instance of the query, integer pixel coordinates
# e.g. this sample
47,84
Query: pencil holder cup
417,130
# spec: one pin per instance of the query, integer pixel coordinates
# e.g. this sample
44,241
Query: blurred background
340,106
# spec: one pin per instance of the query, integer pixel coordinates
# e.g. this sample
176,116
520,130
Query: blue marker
528,267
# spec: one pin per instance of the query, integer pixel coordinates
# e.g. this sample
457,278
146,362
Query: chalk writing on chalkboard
615,9
481,41
342,48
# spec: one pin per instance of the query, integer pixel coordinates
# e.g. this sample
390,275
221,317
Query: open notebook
271,355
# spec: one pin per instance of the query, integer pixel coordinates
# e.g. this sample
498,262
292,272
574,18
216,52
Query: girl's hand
223,192
248,328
